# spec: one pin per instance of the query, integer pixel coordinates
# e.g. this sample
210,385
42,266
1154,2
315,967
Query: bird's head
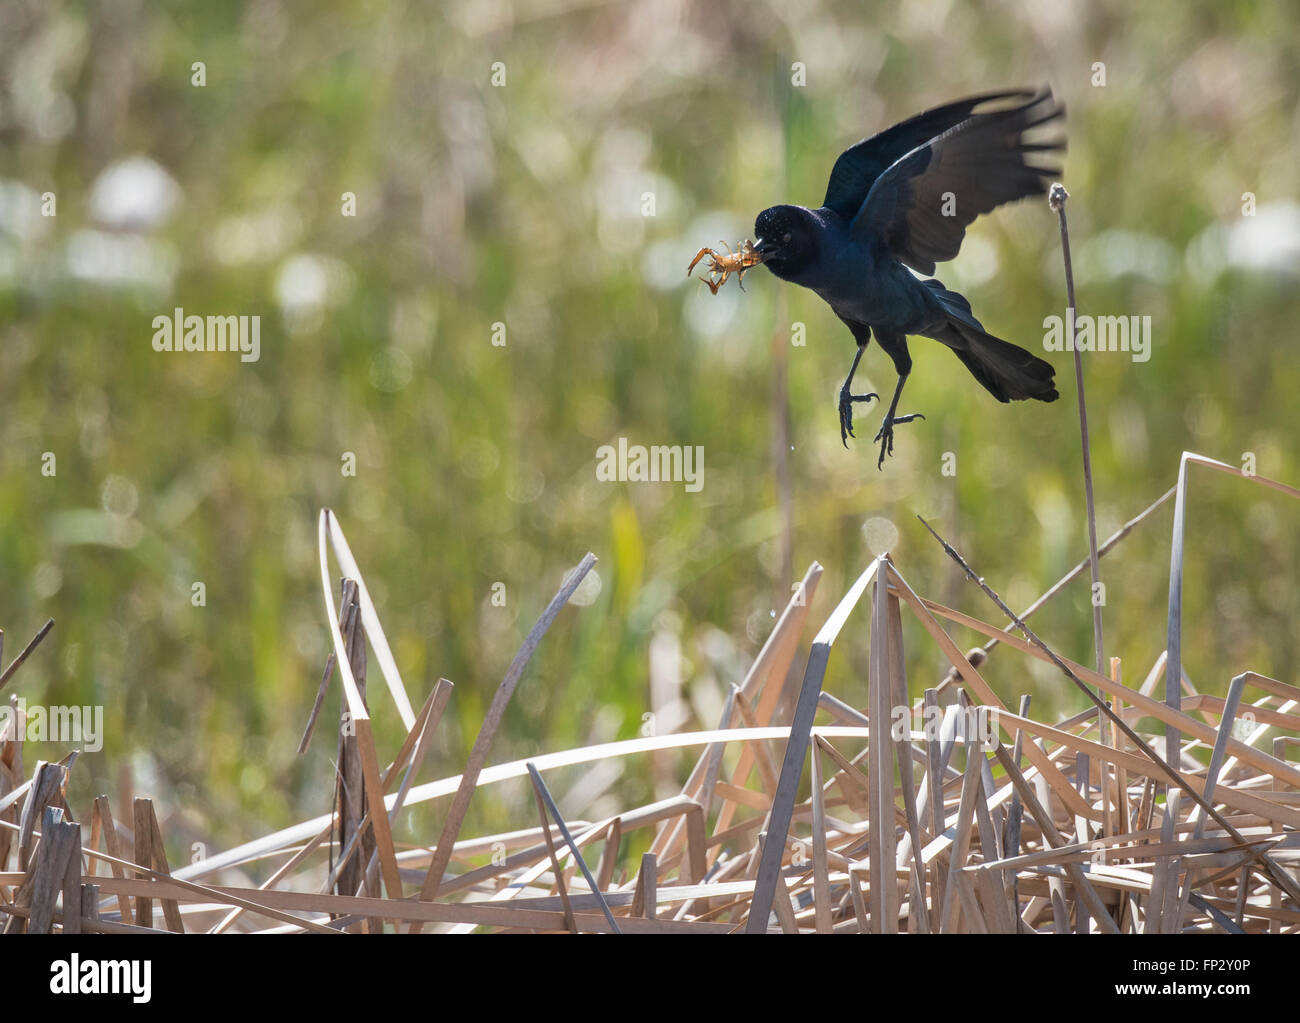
786,239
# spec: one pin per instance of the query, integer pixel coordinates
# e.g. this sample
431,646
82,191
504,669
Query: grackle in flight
903,198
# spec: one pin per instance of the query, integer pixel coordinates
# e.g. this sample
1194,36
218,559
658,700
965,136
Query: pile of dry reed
952,814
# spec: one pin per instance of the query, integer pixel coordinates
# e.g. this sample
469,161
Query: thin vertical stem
1056,199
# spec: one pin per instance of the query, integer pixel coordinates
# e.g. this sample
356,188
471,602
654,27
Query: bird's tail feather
1007,371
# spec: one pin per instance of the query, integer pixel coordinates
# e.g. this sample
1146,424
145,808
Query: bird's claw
846,412
885,436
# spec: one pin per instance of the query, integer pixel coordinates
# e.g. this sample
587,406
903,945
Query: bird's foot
846,411
886,434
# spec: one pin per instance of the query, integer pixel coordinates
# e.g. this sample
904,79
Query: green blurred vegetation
523,205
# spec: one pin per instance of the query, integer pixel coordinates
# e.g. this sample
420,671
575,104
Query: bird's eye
787,237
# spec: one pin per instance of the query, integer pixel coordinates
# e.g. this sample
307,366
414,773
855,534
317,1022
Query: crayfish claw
698,256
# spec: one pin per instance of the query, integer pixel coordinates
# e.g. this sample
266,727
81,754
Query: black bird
903,198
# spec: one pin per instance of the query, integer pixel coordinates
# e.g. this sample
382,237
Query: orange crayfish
721,267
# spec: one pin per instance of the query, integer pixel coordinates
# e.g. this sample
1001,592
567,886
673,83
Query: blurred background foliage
524,204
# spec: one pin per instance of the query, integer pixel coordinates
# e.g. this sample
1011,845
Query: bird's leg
847,398
886,434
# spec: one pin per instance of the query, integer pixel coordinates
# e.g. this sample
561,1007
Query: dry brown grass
1053,826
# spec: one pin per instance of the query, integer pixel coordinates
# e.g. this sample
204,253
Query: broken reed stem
1071,575
487,732
320,702
544,796
18,661
1056,199
1280,876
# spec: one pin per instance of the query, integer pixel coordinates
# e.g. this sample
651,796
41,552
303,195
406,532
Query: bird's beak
764,249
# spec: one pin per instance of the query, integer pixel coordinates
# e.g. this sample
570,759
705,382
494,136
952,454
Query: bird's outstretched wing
921,205
858,166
